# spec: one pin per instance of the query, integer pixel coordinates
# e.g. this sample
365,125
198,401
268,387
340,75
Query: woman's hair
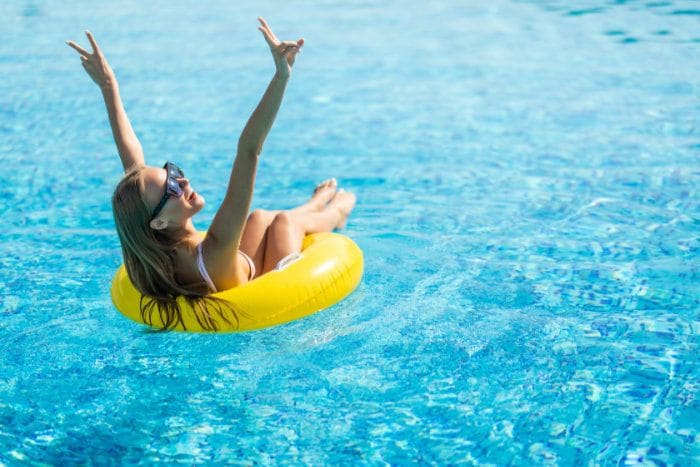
149,257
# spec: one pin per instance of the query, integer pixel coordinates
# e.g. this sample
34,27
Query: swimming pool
527,182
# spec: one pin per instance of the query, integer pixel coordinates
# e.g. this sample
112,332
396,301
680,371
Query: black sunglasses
172,186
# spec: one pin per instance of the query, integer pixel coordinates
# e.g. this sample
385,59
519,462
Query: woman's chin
198,203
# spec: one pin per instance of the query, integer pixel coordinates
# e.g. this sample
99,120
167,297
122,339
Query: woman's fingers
282,50
84,54
269,39
265,27
95,47
272,34
284,46
292,56
80,50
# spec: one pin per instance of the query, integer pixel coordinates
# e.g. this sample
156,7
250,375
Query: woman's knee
260,216
282,221
284,237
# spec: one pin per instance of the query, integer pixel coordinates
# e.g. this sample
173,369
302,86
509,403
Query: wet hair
149,257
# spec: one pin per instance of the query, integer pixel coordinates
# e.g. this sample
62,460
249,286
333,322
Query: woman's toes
344,201
331,182
323,193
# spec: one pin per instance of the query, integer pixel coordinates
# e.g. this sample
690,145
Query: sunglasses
172,186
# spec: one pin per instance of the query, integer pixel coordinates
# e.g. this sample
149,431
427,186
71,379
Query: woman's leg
288,229
269,236
255,231
324,192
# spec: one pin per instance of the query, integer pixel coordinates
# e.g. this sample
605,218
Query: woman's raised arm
96,66
226,229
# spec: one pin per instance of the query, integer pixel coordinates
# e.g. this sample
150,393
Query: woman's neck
188,234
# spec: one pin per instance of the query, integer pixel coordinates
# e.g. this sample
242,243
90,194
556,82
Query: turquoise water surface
527,177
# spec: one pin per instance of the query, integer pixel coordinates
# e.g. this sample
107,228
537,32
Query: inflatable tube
330,268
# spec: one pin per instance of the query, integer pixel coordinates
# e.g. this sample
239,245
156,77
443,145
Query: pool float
329,269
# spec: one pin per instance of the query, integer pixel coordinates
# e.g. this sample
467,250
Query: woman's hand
95,63
284,53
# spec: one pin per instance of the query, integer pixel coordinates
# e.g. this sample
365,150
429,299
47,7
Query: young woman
164,254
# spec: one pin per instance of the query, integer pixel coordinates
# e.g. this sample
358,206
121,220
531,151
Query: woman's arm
128,144
259,124
96,65
227,227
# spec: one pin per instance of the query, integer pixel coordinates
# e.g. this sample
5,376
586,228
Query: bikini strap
202,269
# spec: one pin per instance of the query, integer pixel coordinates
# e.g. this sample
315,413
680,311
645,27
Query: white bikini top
202,269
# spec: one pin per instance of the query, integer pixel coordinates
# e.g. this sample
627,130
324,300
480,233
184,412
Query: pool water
527,177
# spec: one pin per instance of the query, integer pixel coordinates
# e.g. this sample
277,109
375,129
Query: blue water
527,177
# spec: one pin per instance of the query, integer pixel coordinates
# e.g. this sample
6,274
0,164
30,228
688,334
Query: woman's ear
158,224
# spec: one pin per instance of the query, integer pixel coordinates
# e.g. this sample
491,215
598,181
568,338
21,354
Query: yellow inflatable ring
330,268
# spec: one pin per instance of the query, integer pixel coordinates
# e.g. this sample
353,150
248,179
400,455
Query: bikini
281,264
205,274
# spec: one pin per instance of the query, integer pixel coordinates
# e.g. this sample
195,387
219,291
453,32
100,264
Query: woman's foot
323,193
344,202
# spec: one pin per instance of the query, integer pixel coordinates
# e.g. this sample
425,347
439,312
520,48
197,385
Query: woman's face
176,210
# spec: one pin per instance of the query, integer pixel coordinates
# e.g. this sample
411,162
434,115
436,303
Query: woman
164,254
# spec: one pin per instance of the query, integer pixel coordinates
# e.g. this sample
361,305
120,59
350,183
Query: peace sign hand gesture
95,63
284,53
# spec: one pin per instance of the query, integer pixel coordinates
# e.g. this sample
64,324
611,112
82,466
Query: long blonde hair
149,257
